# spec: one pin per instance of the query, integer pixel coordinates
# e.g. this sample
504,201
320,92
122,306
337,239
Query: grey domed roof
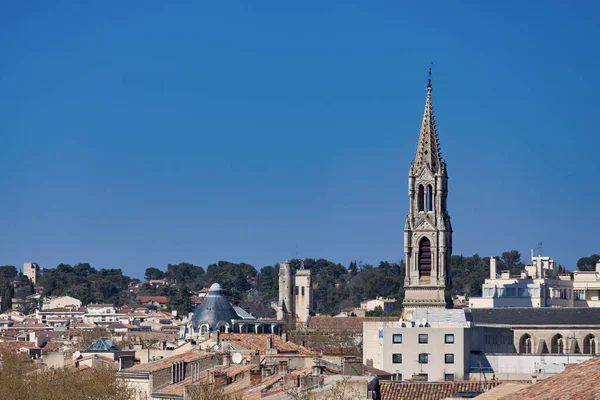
214,309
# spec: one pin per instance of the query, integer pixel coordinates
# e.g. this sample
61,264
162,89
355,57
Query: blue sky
137,134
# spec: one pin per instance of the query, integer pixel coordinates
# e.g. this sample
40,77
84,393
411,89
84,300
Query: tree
179,300
353,268
8,273
511,259
207,391
153,274
268,282
377,312
588,263
20,382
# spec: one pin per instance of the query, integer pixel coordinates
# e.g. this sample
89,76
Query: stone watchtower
427,233
295,293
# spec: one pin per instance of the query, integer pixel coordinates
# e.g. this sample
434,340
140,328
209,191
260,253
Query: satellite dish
409,316
236,358
77,354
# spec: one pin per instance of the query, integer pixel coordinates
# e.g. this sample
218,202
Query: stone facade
32,271
427,233
295,293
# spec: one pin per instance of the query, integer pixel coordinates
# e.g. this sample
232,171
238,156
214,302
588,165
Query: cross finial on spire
429,82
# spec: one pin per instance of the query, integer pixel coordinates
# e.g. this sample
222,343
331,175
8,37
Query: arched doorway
589,344
526,344
424,259
557,346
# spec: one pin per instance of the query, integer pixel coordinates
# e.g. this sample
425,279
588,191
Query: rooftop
258,342
327,322
548,316
188,356
102,345
396,390
577,381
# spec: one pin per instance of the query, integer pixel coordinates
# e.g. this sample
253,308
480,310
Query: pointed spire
428,147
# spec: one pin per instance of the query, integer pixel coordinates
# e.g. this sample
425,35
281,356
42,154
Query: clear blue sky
136,134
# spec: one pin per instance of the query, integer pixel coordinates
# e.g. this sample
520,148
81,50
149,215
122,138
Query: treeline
335,285
85,283
13,286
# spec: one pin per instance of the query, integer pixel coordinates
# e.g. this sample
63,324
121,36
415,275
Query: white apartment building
435,345
539,285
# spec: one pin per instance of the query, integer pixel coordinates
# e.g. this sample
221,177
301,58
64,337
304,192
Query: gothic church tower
427,233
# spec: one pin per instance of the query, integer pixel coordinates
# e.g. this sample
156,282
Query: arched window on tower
525,344
589,344
557,346
421,198
429,198
424,259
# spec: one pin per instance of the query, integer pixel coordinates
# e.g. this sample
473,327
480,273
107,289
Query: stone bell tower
427,233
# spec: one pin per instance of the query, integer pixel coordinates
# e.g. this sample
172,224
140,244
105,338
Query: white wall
529,363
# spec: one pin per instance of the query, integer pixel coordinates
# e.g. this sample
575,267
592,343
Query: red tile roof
158,299
326,322
154,366
578,381
391,390
53,346
13,346
258,342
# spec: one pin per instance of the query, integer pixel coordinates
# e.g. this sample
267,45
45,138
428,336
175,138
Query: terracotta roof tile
16,345
326,322
258,342
158,299
391,390
578,381
154,366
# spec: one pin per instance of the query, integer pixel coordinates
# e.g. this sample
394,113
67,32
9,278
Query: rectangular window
296,292
511,292
488,292
423,338
397,358
449,358
449,377
302,290
449,338
579,294
397,338
423,358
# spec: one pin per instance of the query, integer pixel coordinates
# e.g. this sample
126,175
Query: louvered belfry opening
424,259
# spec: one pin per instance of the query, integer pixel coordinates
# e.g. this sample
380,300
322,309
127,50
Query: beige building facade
435,346
32,271
539,285
427,232
295,293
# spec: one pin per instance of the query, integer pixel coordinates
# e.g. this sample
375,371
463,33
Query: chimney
492,267
255,377
218,378
598,266
269,343
226,359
